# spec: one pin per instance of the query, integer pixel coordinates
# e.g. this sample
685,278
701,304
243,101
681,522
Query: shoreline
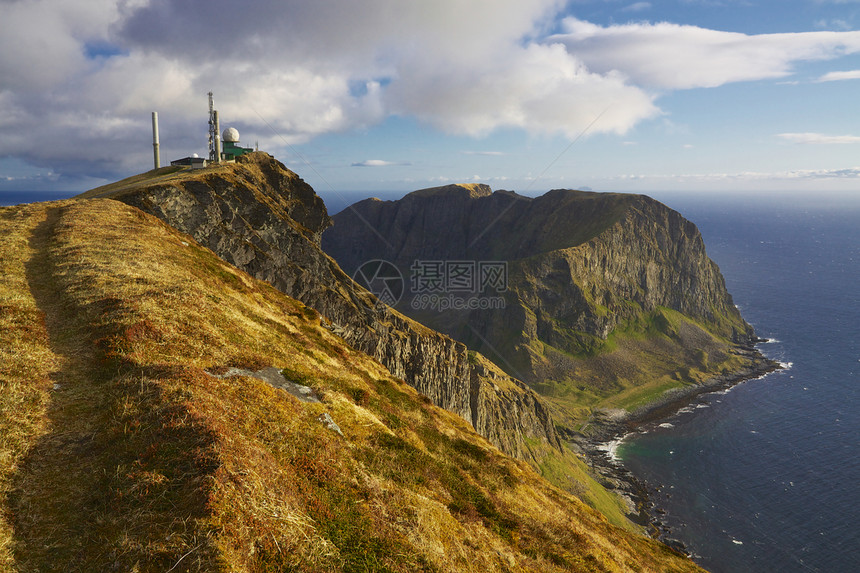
610,428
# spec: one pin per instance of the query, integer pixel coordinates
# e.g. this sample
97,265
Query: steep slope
264,219
164,411
610,299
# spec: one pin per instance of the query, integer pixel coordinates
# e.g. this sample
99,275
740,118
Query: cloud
723,181
834,24
78,79
819,138
840,76
637,7
85,74
378,163
672,56
539,88
846,173
42,42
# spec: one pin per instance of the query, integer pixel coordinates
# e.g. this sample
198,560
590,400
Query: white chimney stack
156,155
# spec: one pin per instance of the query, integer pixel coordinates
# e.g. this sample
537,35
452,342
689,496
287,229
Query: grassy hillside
639,362
123,448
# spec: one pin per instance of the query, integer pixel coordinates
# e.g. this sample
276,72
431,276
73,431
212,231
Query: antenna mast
214,136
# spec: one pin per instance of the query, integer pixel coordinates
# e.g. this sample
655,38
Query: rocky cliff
261,217
605,293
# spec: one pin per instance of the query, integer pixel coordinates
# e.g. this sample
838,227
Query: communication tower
214,132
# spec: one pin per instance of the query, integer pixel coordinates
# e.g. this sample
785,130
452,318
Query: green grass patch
566,470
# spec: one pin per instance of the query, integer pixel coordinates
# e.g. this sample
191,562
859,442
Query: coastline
610,428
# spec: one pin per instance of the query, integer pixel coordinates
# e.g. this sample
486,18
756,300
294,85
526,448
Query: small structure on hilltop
194,161
217,153
232,149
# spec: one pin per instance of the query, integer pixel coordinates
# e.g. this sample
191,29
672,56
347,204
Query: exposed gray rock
329,423
274,377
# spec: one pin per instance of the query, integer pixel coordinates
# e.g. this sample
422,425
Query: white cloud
377,163
291,70
671,56
43,42
540,88
294,68
840,76
637,7
744,180
819,138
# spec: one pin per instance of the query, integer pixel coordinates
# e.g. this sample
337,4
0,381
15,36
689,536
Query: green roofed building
230,145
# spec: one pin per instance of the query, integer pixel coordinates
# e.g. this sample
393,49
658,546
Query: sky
397,95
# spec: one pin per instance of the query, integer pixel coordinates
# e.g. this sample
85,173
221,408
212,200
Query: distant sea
8,198
766,476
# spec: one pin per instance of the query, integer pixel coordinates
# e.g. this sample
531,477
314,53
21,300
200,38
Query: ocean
8,198
766,476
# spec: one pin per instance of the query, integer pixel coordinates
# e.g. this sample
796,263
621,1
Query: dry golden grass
26,360
141,461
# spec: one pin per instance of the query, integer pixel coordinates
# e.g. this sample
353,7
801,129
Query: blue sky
393,95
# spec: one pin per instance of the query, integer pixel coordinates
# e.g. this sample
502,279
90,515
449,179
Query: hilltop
139,431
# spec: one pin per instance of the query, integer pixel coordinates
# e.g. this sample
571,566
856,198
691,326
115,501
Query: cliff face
587,274
265,220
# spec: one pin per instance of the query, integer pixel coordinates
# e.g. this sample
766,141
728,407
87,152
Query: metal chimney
156,154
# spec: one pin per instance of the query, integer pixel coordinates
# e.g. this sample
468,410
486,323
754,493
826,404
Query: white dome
230,134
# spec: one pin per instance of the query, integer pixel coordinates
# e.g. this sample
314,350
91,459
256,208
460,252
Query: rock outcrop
264,219
581,267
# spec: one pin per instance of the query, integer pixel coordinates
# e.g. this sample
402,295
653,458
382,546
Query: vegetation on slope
638,363
121,449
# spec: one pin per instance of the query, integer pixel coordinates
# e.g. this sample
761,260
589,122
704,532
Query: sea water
766,476
8,198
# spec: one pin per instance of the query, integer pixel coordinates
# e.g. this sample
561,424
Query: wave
611,448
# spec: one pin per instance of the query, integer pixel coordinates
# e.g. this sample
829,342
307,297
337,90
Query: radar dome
230,134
